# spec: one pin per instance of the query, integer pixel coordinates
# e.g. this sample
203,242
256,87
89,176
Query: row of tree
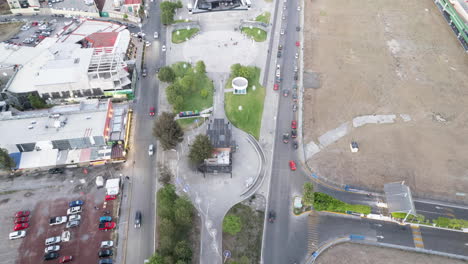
168,11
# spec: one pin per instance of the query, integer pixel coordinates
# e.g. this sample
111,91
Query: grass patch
245,246
325,202
257,34
249,118
264,17
440,221
192,89
181,21
184,34
186,123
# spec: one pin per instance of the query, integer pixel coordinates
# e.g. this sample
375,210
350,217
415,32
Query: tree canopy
166,74
168,131
200,149
6,162
308,195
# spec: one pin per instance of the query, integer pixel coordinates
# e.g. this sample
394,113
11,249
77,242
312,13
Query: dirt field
357,254
377,57
8,30
4,8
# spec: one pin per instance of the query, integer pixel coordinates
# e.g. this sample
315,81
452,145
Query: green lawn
249,118
183,35
264,17
325,202
257,34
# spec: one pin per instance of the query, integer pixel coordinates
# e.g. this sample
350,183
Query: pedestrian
95,207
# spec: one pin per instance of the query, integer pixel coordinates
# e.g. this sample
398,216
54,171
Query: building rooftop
88,27
219,133
76,5
399,198
132,2
102,39
86,119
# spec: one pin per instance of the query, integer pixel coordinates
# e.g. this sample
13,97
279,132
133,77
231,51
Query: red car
292,165
110,197
298,43
107,226
294,124
65,259
20,220
20,226
151,111
276,87
22,214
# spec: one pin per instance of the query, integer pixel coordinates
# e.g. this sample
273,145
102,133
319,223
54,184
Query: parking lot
34,30
47,196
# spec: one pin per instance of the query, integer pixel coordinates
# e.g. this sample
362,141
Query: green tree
235,69
6,162
166,197
179,4
204,93
166,74
245,72
36,102
166,227
183,212
166,245
232,224
178,104
168,131
156,259
165,175
181,262
200,67
308,195
244,260
182,251
200,149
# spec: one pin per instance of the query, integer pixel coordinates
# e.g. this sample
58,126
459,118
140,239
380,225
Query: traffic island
257,30
184,30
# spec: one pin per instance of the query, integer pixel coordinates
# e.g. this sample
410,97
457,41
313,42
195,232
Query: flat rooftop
86,119
76,5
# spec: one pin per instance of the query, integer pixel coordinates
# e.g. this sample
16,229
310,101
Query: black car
296,76
271,216
294,96
137,219
105,261
51,256
55,170
279,54
295,144
294,133
286,138
298,28
285,92
105,253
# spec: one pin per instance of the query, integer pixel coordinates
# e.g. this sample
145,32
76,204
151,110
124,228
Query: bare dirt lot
378,57
8,30
360,254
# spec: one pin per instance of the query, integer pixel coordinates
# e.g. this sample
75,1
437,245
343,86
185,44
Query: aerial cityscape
233,131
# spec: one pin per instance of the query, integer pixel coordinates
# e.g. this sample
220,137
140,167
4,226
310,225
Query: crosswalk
312,232
417,238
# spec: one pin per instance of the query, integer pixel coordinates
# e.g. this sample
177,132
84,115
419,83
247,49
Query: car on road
137,219
282,31
105,261
110,197
151,150
294,133
75,203
107,244
20,220
271,216
22,226
105,253
53,248
295,145
285,92
57,220
294,97
147,43
292,165
280,47
279,54
107,226
298,28
22,214
298,44
298,8
296,56
276,87
286,138
156,35
104,219
73,224
152,111
74,210
294,107
294,124
17,234
296,76
51,256
296,68
294,87
163,48
144,72
52,240
65,259
284,17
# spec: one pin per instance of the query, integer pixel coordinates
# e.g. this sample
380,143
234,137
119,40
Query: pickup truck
57,220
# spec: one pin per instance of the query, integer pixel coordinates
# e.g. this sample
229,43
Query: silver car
53,248
73,223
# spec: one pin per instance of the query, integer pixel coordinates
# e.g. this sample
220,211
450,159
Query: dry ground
387,57
4,8
360,254
8,30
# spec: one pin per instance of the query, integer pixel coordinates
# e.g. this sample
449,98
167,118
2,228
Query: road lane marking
312,232
417,238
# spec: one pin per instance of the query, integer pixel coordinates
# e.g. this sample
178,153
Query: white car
74,217
74,210
282,32
107,244
163,48
57,220
297,56
73,224
298,8
52,240
156,35
147,43
17,234
52,249
150,150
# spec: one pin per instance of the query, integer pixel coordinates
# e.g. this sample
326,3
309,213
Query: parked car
285,92
294,133
147,43
295,144
105,261
144,72
137,219
53,248
151,150
104,219
17,234
163,48
279,54
105,253
73,224
294,96
76,203
298,44
286,138
294,107
296,56
298,28
52,240
294,124
110,197
107,226
271,216
152,111
156,35
20,226
74,210
74,217
51,256
57,220
276,86
282,31
292,165
20,220
107,244
22,213
65,259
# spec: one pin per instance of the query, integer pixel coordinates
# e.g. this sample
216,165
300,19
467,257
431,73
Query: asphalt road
140,242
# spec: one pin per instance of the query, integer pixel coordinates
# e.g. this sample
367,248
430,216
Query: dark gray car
137,219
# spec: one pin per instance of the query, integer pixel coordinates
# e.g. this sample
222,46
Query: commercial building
202,6
91,132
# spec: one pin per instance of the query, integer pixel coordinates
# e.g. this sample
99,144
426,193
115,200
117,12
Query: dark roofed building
219,133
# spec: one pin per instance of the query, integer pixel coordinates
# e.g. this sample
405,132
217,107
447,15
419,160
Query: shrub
232,224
